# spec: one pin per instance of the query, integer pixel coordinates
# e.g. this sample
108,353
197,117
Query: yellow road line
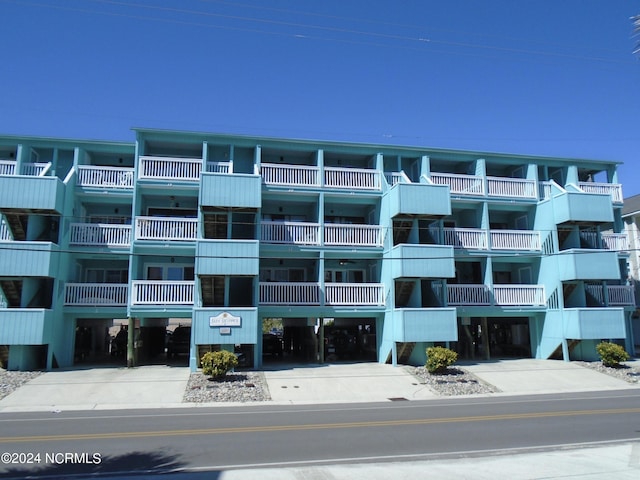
318,426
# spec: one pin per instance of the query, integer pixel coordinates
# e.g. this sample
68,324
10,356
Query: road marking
316,426
268,407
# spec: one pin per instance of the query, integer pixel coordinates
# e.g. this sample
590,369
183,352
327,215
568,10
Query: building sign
225,320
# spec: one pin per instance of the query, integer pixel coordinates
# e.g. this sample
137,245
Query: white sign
225,320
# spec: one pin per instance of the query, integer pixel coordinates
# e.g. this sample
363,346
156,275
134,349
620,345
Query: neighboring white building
631,219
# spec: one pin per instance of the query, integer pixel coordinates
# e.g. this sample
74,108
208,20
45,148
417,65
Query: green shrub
611,354
439,358
217,364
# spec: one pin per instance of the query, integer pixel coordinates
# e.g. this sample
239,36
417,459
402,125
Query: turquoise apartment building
357,251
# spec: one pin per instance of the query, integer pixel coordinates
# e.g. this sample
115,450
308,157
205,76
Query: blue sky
540,77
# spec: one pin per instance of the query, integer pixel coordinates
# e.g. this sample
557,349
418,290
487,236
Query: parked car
272,345
179,342
340,345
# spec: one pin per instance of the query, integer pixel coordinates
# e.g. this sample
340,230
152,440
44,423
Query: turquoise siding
419,199
594,323
28,259
24,326
236,190
36,193
578,264
422,261
425,325
227,257
582,207
204,334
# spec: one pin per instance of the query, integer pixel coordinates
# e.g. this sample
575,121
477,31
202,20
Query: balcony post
132,359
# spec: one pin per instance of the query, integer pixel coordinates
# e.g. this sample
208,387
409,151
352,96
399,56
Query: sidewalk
158,386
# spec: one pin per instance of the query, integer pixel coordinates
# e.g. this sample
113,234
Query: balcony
353,235
585,264
479,239
515,240
219,188
467,238
308,293
618,242
5,232
303,233
29,259
171,169
96,294
105,177
159,292
612,189
394,178
425,325
594,323
352,178
25,326
460,184
617,295
289,293
422,261
498,295
512,188
354,294
100,235
166,228
296,233
227,257
581,206
32,189
290,175
406,198
9,167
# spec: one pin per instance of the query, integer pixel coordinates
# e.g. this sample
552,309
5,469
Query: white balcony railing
5,231
103,294
618,242
460,184
468,295
396,177
219,167
530,295
297,233
157,292
356,235
289,175
545,190
354,294
503,295
352,178
613,189
511,187
100,234
35,169
98,176
8,167
515,240
165,168
289,293
166,228
469,238
618,295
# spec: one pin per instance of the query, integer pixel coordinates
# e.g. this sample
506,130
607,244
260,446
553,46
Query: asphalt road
224,438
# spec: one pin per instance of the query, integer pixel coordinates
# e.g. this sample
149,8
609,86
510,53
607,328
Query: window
170,272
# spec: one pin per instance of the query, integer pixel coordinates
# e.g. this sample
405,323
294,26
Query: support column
321,340
131,347
485,338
